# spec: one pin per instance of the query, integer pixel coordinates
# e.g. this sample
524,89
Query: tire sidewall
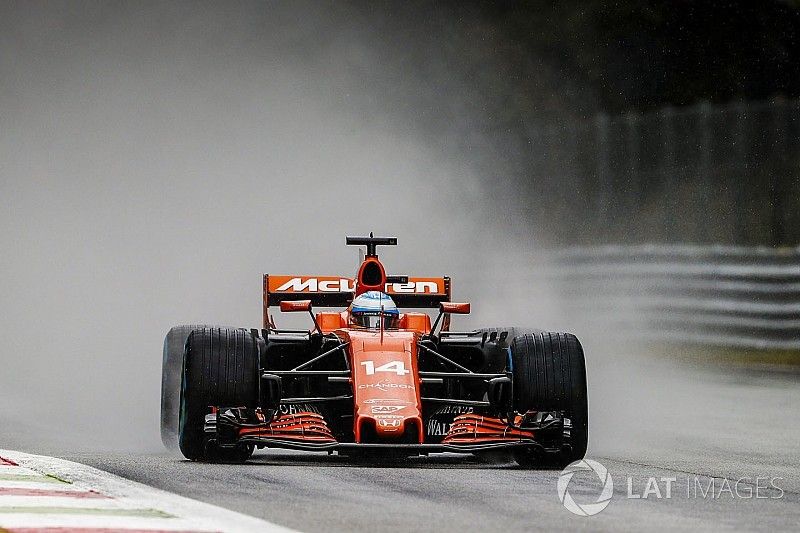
172,368
208,360
549,373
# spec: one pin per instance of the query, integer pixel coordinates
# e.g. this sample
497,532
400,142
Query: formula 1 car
383,383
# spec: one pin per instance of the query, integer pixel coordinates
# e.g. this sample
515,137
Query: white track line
15,470
156,509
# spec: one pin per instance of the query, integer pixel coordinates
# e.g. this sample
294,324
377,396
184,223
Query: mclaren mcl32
375,380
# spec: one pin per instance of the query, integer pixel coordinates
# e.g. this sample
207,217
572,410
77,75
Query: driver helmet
365,311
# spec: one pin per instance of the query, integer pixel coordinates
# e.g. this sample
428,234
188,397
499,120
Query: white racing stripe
45,492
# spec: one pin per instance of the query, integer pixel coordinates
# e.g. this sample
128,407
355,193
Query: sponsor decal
295,408
413,287
397,367
439,425
300,284
454,410
338,284
385,400
438,428
389,423
384,386
387,416
382,409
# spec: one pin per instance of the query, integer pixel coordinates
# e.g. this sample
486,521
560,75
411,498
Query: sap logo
315,285
386,408
413,287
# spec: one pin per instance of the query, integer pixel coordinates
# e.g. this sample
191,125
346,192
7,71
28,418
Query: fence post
603,169
634,201
703,211
668,169
779,170
740,174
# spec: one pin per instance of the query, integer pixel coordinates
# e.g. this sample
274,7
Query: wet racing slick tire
220,369
171,372
549,373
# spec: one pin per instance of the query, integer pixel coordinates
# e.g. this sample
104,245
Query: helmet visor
373,320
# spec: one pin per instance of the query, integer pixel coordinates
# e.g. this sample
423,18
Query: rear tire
550,375
220,369
171,375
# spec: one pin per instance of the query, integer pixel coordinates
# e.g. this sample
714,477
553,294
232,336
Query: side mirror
454,308
296,305
451,308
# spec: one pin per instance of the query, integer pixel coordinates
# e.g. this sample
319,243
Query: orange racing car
368,378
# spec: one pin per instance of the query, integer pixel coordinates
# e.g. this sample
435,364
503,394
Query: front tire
550,375
171,375
221,369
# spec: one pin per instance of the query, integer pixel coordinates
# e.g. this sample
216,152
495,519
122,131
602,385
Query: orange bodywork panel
419,322
371,276
385,384
330,322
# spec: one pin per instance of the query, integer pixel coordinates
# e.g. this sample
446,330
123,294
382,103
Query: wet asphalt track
657,419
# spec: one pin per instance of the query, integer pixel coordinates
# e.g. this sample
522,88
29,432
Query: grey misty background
156,158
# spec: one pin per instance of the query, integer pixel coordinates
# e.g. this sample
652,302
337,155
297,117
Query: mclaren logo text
315,285
348,285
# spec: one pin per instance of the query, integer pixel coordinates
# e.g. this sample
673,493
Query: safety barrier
720,295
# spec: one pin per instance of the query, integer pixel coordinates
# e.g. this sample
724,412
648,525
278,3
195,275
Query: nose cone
386,386
389,426
388,419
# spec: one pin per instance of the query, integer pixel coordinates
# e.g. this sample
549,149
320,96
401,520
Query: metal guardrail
720,295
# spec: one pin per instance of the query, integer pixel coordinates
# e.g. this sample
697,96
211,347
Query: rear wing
335,291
